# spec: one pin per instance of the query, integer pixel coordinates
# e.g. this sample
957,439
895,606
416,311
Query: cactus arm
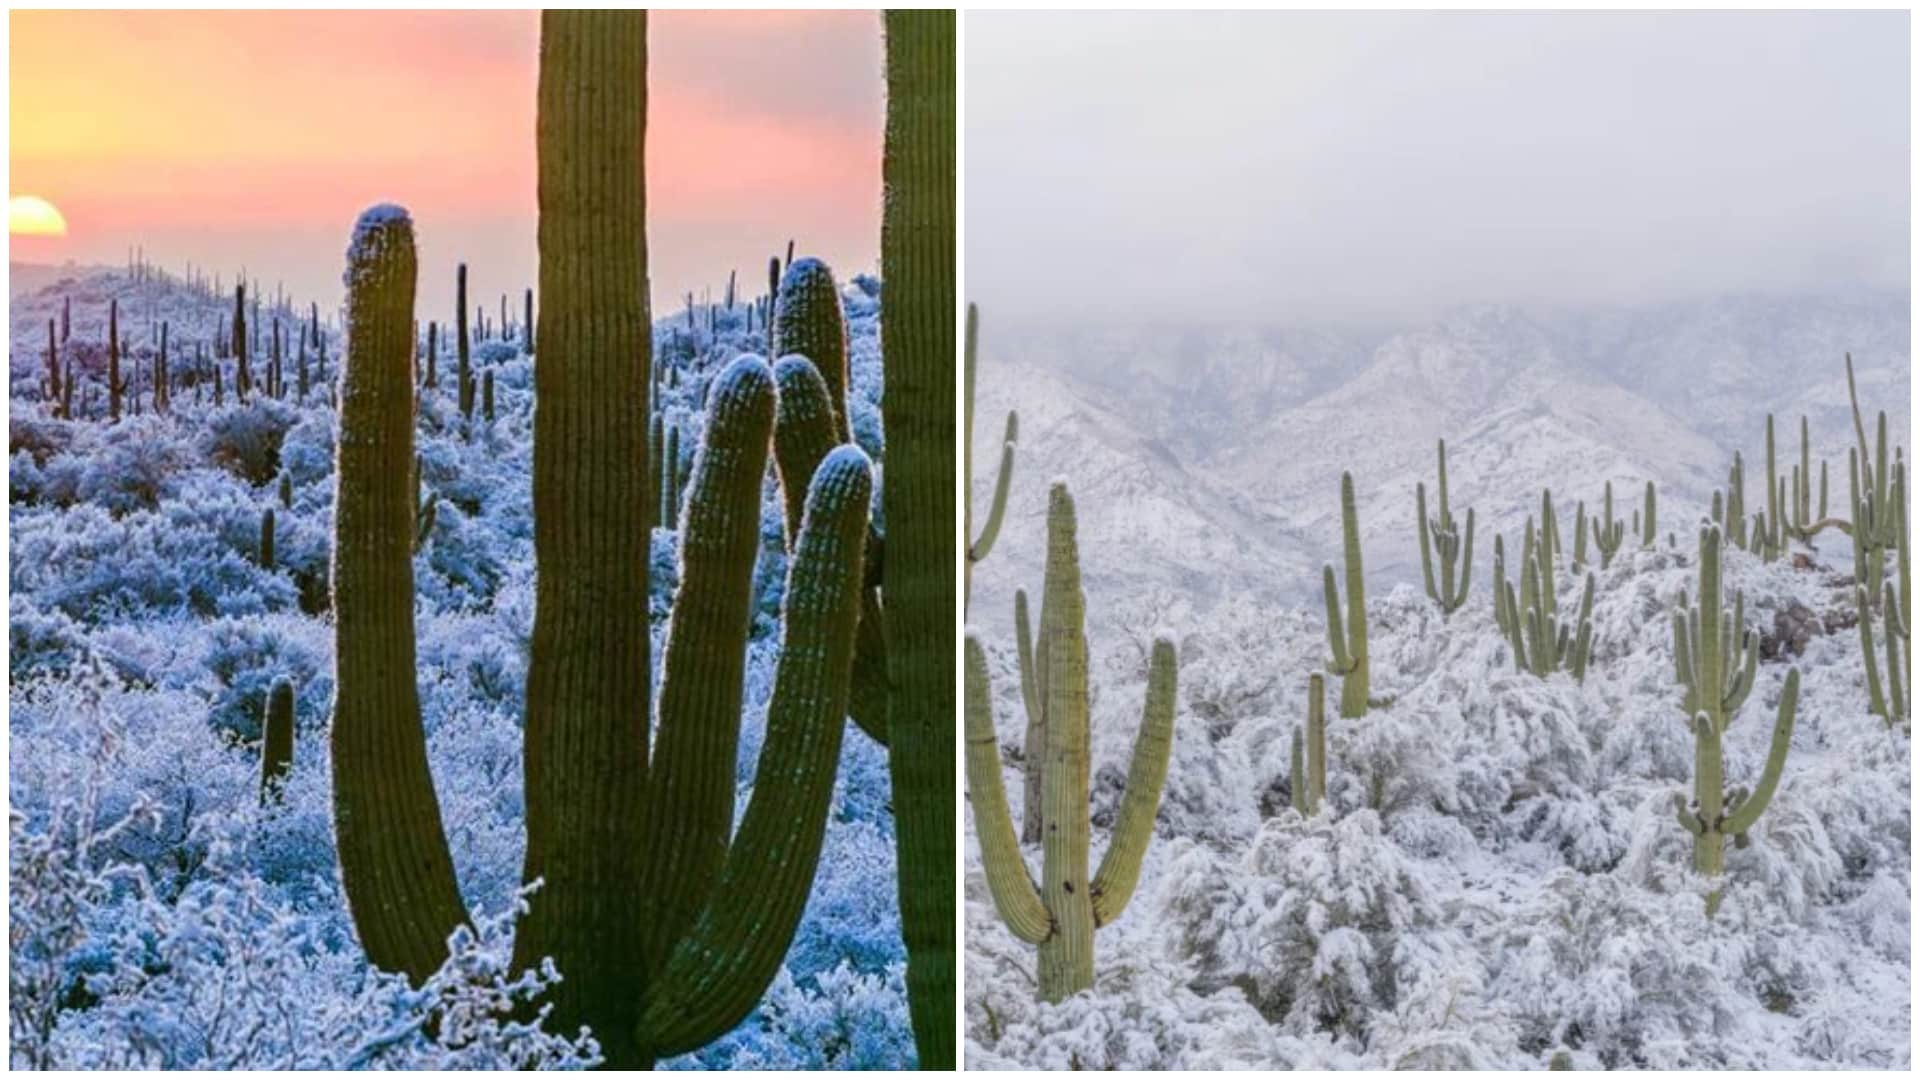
1876,702
802,434
1297,774
809,321
394,862
691,796
1341,663
1426,541
1742,817
1689,820
1002,481
716,974
1033,691
1119,872
1355,685
1466,564
1316,740
1008,878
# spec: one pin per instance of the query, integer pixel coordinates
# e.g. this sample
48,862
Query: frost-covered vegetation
161,915
1488,871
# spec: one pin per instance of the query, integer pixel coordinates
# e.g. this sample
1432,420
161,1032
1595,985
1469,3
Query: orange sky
255,138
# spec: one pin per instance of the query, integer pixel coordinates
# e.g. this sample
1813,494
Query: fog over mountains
1206,460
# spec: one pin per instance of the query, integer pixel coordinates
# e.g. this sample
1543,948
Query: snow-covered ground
144,635
1497,874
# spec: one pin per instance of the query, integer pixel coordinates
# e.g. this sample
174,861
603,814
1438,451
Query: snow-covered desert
1497,874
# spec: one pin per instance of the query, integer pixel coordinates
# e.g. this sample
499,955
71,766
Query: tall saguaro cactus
1061,915
1349,641
979,546
917,254
1443,534
1708,644
393,850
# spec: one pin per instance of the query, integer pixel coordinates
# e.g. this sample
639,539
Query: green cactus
1580,535
1349,641
1062,914
1608,531
1502,615
1033,680
465,346
1894,704
1443,534
1649,529
918,249
808,321
114,383
1549,528
1541,643
276,740
1715,655
1715,814
242,372
983,544
1308,780
266,539
393,854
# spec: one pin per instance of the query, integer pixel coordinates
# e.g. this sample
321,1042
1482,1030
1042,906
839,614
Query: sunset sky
255,138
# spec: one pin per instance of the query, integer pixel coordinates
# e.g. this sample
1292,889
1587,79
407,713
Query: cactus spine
276,740
1309,778
917,254
1061,916
1348,642
997,509
1442,534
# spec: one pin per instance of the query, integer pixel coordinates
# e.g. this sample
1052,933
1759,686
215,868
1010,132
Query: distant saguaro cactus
276,740
1309,776
266,539
1348,641
465,346
1442,534
1061,916
114,384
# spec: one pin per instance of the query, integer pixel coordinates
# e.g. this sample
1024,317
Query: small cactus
266,539
276,740
1348,637
1309,777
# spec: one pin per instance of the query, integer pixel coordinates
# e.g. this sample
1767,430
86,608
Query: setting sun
31,215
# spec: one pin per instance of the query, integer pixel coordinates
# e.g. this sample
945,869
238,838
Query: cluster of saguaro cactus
1441,535
1060,916
1892,700
1308,781
1541,641
1708,658
1791,511
1347,637
979,546
1877,496
1608,531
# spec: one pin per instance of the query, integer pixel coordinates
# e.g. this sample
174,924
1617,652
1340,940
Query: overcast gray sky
1297,167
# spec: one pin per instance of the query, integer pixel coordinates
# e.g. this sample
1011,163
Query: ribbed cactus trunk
1349,642
1066,957
917,253
587,680
393,852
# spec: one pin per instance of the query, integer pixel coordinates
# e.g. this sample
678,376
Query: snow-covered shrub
245,439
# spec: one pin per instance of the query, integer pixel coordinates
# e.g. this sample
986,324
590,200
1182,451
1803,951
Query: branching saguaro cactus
1061,915
1608,531
1713,698
1347,637
1542,644
1442,534
1309,776
979,546
917,253
667,929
